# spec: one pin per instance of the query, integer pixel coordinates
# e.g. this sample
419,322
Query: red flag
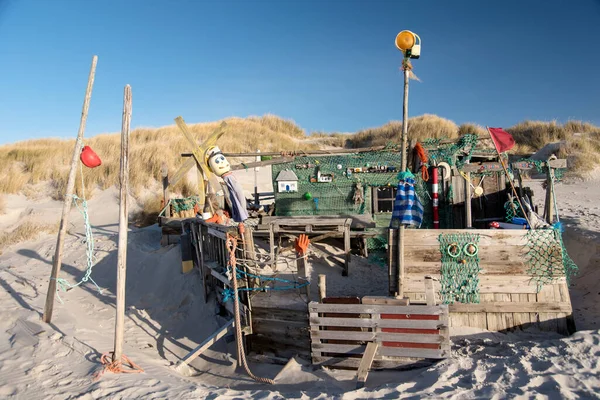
502,139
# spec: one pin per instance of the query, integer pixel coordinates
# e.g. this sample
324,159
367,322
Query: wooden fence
416,332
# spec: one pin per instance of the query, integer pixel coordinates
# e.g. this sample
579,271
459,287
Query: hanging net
547,257
460,267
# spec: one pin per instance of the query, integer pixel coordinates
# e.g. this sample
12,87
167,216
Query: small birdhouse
287,181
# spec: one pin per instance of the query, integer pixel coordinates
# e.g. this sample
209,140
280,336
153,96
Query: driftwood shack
473,262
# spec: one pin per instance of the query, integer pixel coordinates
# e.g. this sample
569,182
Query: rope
232,244
423,157
63,284
116,366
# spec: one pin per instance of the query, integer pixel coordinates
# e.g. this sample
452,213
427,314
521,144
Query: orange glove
302,244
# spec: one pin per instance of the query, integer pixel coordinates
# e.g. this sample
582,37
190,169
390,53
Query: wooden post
468,216
165,182
400,272
123,217
549,208
347,250
400,276
302,264
322,287
62,231
272,246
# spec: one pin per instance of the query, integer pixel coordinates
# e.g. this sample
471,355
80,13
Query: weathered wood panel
509,297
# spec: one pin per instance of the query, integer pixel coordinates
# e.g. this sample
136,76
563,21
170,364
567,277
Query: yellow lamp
405,40
409,43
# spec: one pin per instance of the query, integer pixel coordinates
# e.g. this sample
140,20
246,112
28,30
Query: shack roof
286,175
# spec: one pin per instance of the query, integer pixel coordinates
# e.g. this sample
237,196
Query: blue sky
329,65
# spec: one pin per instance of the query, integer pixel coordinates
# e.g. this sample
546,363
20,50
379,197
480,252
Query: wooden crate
402,332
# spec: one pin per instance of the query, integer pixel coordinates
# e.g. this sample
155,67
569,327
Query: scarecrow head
217,161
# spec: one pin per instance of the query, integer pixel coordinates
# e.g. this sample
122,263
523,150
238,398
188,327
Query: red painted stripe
411,316
411,330
408,345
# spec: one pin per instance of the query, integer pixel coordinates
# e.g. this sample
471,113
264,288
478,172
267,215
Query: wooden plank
547,319
384,300
212,339
487,283
383,323
379,362
487,237
488,267
357,221
375,309
418,353
372,336
561,317
477,320
216,233
505,320
521,318
220,277
365,364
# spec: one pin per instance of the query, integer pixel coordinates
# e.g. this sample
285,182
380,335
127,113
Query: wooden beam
190,162
300,153
512,307
64,220
365,364
322,287
274,161
123,217
164,170
212,339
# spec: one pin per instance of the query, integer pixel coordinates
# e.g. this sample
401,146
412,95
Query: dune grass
47,160
2,205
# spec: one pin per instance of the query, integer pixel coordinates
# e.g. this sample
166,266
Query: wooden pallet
415,332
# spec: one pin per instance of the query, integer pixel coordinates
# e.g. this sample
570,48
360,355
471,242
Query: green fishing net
184,204
460,267
547,257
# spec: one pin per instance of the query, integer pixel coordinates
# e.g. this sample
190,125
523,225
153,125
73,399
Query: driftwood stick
123,217
64,220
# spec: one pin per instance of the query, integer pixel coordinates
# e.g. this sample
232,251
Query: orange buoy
89,158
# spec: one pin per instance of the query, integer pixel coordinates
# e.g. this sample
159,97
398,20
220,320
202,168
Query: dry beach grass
47,160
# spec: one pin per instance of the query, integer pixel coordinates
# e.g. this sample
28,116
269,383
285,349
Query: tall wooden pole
123,218
404,154
64,220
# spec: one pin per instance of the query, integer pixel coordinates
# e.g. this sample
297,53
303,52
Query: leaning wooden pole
123,218
64,220
510,181
404,154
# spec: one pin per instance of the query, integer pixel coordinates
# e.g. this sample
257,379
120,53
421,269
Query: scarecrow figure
219,165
